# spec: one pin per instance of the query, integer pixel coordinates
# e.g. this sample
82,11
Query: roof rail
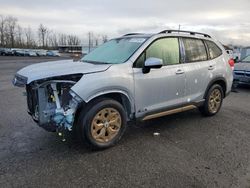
132,34
181,31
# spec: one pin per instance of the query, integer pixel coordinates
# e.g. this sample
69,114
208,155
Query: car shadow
139,130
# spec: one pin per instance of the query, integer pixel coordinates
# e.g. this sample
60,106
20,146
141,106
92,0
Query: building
70,49
75,49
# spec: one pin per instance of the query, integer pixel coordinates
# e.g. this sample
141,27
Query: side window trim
144,51
207,50
182,51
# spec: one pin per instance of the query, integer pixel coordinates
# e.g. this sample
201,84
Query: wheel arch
219,80
119,96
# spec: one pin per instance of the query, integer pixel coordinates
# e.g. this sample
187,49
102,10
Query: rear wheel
102,123
213,101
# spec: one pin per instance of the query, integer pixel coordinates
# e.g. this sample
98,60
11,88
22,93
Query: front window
114,51
166,49
246,59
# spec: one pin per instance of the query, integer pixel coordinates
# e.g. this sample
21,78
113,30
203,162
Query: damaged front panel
51,104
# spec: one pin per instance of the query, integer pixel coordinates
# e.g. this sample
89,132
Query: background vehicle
242,71
6,52
1,50
19,52
133,77
41,52
31,53
53,53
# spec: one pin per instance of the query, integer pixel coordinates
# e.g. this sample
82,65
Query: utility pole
179,27
89,40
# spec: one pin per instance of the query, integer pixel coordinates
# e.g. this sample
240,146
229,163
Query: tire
101,123
213,101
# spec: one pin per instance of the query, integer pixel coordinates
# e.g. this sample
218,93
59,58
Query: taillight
231,63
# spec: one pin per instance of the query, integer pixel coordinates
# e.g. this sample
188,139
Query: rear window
213,50
195,50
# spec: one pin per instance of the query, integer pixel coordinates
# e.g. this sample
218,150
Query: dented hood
58,68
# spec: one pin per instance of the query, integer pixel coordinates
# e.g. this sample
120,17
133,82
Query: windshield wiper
94,62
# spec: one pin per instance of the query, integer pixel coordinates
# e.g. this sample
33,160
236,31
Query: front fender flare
101,93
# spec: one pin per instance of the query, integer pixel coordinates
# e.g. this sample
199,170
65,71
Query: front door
160,88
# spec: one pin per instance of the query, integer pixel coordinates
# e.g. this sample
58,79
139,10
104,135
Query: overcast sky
227,20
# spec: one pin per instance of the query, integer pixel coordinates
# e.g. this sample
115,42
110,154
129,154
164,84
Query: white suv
136,76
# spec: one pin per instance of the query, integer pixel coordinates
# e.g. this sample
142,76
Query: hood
58,68
242,67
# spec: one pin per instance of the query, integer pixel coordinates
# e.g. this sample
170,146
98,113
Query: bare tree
90,40
11,25
97,40
13,35
2,30
19,37
53,39
73,40
29,38
62,39
104,38
43,34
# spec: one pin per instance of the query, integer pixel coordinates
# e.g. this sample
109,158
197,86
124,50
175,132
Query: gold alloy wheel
214,101
106,125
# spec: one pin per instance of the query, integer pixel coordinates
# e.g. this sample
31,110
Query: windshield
114,51
246,59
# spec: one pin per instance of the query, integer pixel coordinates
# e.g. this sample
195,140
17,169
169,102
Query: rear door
217,61
196,68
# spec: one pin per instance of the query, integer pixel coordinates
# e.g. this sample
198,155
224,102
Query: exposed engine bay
52,104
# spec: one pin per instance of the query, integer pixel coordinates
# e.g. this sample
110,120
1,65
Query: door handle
179,71
211,67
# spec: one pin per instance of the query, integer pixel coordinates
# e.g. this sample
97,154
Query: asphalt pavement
190,150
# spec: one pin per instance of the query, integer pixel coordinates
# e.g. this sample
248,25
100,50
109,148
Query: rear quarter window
195,50
213,50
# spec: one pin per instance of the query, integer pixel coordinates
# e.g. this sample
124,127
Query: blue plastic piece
62,120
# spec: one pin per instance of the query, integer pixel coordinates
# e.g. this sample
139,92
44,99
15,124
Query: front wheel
102,123
213,101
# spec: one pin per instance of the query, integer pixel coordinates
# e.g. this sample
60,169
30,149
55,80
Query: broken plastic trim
75,96
53,81
61,116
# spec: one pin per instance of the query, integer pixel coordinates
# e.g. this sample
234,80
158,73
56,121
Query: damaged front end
51,102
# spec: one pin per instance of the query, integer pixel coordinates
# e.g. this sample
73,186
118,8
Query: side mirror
152,63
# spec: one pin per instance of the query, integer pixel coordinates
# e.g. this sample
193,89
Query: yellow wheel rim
214,101
106,125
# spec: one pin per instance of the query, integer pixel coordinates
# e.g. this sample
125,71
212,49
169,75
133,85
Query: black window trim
184,53
144,51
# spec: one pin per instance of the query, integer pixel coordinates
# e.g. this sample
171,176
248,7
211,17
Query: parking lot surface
191,150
